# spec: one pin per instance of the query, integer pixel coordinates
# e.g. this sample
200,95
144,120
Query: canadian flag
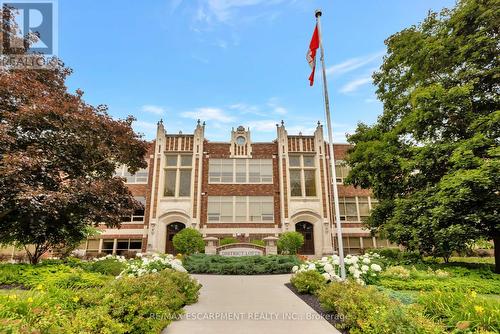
311,54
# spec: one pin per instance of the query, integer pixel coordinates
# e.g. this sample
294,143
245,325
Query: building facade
242,189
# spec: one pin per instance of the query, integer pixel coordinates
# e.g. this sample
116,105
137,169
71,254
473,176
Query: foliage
240,265
394,256
66,248
364,269
150,264
130,305
309,281
462,284
62,276
258,242
108,265
58,158
462,311
290,242
227,241
398,272
189,241
364,309
441,277
432,158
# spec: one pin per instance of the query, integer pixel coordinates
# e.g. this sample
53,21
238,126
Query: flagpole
332,155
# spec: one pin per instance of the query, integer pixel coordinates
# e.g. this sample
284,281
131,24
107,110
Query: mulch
313,303
12,287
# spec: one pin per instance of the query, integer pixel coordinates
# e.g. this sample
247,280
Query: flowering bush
364,269
149,264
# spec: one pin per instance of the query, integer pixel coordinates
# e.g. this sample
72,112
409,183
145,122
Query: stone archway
172,230
307,230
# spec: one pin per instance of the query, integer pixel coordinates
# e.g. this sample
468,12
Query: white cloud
263,125
221,44
157,110
146,128
353,63
353,85
277,108
245,108
208,114
224,10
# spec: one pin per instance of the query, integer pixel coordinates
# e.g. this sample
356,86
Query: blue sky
230,62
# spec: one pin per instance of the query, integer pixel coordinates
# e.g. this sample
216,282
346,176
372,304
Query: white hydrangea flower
366,260
294,269
328,268
311,266
326,276
375,267
364,268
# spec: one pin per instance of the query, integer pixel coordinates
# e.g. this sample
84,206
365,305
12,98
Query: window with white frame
240,209
341,171
141,176
138,214
356,208
178,175
302,175
240,171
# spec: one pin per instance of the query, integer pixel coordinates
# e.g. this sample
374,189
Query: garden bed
87,297
423,297
314,303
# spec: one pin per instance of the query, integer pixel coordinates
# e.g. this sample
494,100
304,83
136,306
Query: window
348,210
138,214
141,176
127,245
352,244
93,245
341,171
240,171
240,209
351,206
107,246
302,175
364,208
367,242
178,175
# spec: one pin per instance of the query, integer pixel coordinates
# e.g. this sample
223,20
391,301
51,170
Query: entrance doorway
307,230
172,229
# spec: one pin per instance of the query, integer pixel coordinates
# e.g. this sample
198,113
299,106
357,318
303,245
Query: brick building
240,188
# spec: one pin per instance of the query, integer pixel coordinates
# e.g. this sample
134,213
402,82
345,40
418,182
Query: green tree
290,242
189,241
432,157
57,159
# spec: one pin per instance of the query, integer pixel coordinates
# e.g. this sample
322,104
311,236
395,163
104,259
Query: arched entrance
172,229
307,230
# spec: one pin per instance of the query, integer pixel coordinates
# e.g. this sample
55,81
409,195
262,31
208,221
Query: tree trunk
496,245
34,257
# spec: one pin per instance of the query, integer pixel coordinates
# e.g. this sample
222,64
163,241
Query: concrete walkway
248,304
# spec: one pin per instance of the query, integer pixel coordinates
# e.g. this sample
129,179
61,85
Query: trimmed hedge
242,265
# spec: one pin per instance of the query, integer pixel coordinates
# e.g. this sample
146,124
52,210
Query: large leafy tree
432,157
57,159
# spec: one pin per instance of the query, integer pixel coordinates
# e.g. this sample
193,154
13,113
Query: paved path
256,304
